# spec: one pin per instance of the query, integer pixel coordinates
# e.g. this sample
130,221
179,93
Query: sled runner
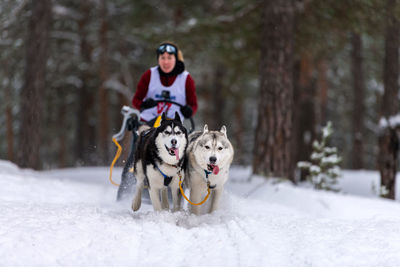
131,122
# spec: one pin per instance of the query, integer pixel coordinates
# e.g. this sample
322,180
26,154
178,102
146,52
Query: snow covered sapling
324,167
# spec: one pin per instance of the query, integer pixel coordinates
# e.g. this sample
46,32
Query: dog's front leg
137,200
155,198
176,198
215,199
195,197
164,199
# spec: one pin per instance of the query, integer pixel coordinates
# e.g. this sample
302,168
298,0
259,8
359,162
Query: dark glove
149,103
132,124
187,111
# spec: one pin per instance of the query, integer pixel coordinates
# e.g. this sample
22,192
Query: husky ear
223,130
205,129
177,117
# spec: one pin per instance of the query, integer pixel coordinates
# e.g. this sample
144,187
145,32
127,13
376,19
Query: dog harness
207,174
187,199
167,179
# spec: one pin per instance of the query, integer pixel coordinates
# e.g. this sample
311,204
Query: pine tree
272,152
324,167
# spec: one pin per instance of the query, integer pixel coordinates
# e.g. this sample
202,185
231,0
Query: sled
131,122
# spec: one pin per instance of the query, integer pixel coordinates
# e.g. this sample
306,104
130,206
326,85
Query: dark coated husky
159,162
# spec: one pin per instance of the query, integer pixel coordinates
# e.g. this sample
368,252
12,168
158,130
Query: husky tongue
176,152
215,169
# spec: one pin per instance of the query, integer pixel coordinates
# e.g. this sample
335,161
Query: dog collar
207,173
167,179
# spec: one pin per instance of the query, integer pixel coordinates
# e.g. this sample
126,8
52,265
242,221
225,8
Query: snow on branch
242,13
63,11
391,122
14,15
117,86
193,23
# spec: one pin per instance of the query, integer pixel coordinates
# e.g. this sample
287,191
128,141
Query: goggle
170,49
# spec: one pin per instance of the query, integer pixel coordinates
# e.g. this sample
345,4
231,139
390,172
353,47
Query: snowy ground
69,218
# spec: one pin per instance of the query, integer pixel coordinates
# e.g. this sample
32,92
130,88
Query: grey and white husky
159,161
210,155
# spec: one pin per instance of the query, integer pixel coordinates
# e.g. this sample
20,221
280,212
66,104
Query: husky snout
213,167
213,159
173,150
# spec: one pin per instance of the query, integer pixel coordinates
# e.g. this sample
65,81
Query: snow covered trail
70,218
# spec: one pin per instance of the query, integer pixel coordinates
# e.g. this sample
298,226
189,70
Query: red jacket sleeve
191,98
141,89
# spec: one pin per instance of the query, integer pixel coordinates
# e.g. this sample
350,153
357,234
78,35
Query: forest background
274,72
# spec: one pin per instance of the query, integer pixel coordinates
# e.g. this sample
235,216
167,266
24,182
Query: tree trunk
62,140
9,123
33,90
213,96
359,108
126,142
322,93
272,151
239,131
304,116
218,98
85,131
8,111
388,140
104,141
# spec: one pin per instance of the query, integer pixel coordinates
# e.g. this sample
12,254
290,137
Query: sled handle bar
191,129
127,112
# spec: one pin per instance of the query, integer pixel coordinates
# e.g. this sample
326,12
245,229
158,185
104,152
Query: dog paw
136,205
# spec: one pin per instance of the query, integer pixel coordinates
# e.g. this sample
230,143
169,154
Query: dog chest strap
167,179
207,173
211,186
